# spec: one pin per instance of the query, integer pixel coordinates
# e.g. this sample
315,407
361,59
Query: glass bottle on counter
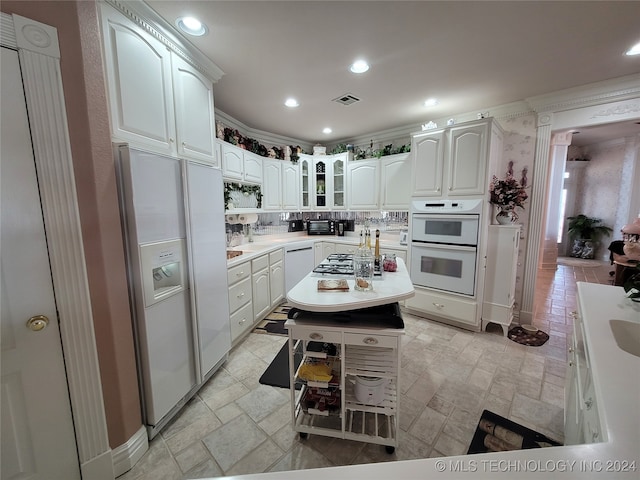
363,268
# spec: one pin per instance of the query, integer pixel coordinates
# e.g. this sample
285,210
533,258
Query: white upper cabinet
272,187
194,112
363,178
241,165
427,153
291,186
140,85
157,101
395,178
328,180
467,159
453,162
252,167
232,161
280,186
306,195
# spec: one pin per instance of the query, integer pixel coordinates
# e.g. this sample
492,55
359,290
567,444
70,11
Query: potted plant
586,233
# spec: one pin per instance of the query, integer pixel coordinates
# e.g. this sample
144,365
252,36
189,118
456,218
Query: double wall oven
444,244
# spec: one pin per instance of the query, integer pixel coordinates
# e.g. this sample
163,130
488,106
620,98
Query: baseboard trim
127,455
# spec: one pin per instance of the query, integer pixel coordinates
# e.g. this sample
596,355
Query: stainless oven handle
445,216
442,246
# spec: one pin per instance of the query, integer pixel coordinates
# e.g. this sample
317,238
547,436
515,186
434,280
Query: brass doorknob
37,323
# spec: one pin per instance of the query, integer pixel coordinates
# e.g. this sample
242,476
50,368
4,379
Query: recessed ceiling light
326,130
430,102
359,66
635,50
291,103
192,26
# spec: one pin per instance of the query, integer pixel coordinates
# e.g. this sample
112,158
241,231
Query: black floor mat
496,433
277,373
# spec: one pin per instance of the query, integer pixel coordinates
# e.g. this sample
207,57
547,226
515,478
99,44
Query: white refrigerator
173,222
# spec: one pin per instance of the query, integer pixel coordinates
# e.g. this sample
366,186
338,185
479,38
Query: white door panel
38,440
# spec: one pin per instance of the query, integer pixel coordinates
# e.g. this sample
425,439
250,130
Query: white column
559,146
537,217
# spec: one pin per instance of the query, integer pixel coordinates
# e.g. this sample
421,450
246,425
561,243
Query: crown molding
608,91
146,18
260,135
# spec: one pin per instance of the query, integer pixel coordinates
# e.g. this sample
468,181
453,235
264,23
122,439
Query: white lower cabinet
581,416
276,277
444,307
500,275
345,403
345,248
323,250
260,286
240,304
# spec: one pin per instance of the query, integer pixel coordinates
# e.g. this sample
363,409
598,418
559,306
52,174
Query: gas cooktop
340,264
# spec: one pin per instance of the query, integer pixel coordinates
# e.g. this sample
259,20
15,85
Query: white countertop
617,378
391,287
266,244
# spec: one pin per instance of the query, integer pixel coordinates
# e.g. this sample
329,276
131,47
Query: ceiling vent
346,99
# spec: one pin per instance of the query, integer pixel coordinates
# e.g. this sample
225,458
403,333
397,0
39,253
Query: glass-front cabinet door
338,168
305,183
320,182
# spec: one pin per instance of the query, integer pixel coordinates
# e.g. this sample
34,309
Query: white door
38,439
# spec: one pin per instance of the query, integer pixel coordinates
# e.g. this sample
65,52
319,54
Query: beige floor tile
299,458
449,375
191,456
258,460
233,441
427,426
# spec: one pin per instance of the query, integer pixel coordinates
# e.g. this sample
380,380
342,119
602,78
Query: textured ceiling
470,55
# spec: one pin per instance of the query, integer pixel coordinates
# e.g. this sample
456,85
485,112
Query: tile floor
235,425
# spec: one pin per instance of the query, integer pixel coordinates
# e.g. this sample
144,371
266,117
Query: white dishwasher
299,260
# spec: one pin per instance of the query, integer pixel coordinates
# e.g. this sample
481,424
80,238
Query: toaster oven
321,227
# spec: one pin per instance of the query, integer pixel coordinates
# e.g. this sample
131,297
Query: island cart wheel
303,435
390,449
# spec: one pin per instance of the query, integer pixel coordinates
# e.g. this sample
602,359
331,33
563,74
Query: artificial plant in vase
507,194
586,233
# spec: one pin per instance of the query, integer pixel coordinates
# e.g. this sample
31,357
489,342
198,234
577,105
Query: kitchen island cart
348,367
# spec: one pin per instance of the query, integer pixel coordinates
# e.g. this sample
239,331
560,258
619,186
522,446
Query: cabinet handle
570,349
315,336
242,321
239,274
171,140
438,305
588,403
240,295
574,314
370,341
594,435
570,363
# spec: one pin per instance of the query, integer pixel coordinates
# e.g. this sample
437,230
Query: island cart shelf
333,356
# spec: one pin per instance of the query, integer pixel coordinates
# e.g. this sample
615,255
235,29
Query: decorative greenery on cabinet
232,189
